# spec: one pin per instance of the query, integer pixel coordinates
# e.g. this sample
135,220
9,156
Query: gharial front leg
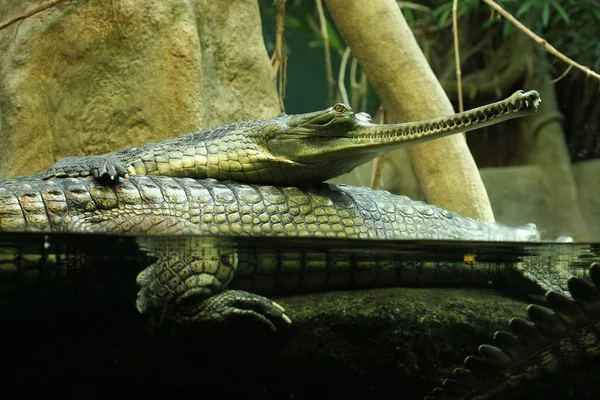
191,288
106,168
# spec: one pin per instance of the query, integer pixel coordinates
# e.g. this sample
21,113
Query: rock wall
88,78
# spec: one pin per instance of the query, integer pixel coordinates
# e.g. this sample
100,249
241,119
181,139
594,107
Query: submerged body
162,205
194,286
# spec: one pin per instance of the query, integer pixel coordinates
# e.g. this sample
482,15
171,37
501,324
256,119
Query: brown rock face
86,78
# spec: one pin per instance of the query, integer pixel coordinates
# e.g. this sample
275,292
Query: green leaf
507,28
313,44
545,14
524,8
589,3
442,9
445,16
409,16
335,41
561,11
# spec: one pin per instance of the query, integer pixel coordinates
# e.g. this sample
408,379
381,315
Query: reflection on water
51,271
67,307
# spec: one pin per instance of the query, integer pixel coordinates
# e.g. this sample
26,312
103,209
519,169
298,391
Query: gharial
298,150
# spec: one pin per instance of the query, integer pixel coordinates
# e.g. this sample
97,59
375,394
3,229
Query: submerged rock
376,341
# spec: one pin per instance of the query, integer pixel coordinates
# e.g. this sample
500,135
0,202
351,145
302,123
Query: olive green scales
233,166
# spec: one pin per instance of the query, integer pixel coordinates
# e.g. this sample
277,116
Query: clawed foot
231,304
105,168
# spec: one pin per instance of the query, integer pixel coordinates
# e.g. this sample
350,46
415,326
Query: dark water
67,312
136,248
69,256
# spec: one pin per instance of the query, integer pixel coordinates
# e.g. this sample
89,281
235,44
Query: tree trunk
400,75
546,147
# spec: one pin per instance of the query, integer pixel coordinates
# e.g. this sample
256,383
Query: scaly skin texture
209,284
162,205
205,284
288,149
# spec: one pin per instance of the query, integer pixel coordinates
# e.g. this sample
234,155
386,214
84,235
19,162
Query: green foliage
442,13
572,26
306,60
298,13
335,41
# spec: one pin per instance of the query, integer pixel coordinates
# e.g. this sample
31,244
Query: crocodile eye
340,108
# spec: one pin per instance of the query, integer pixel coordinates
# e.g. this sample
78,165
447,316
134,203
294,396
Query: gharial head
328,143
